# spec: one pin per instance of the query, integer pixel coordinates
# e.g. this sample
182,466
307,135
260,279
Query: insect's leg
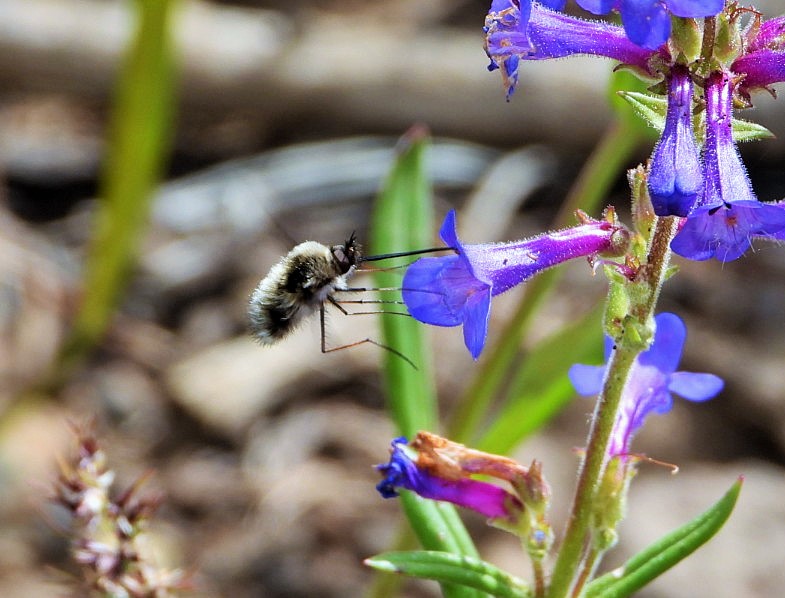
350,345
343,310
373,342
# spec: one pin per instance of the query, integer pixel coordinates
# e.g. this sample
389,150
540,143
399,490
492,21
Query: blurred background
286,119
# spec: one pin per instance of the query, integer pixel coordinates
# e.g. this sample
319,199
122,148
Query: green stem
623,357
139,142
619,141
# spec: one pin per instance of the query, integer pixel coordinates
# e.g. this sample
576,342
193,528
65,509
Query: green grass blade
665,552
541,388
457,570
403,221
139,141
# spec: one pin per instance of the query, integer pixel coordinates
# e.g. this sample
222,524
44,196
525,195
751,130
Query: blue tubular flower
652,380
728,214
406,471
675,178
518,31
456,289
648,22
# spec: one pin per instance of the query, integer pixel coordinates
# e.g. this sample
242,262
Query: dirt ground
262,456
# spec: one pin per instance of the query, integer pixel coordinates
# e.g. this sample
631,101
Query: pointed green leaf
624,80
650,108
665,552
541,388
744,130
447,567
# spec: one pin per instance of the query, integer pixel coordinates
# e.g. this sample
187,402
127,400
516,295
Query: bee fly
303,281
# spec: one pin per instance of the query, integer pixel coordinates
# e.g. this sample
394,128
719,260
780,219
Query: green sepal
665,552
449,568
686,39
652,110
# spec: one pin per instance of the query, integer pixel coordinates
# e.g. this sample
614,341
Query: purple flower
727,214
529,31
406,470
648,22
455,290
763,62
675,178
652,380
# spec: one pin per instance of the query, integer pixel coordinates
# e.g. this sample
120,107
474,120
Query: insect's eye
344,257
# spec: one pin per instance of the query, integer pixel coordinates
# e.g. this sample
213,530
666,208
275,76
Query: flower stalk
572,554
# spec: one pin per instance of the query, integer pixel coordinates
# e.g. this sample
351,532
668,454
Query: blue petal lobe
668,344
597,7
477,313
647,23
695,387
587,379
448,232
426,295
695,8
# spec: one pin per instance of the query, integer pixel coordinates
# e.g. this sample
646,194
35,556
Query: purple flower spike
530,31
675,178
647,22
457,289
728,214
652,380
403,471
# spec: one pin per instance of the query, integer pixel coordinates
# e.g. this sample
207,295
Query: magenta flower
405,471
727,215
652,380
648,22
763,61
456,290
518,31
675,178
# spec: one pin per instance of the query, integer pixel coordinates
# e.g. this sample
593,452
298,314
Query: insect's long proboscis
388,256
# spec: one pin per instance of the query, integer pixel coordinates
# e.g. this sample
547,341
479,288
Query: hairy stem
620,363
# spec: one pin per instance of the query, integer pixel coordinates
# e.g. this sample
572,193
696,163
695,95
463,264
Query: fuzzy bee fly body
298,285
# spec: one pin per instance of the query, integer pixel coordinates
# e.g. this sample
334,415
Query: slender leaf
744,130
541,388
652,109
623,82
403,221
447,567
665,552
139,139
438,526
